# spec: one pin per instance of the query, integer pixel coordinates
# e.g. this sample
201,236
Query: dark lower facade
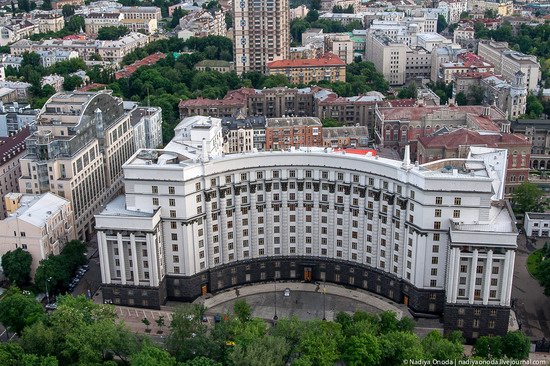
475,321
421,302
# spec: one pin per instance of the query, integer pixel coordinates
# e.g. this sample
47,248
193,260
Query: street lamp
47,292
324,304
275,317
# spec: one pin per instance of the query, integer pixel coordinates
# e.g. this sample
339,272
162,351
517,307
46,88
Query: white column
510,274
505,279
456,275
134,258
122,256
472,284
152,251
451,275
487,280
103,257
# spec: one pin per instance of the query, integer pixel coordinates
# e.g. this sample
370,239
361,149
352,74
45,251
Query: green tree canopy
528,197
17,266
112,33
18,310
441,23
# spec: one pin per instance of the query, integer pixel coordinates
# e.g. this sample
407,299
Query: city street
531,305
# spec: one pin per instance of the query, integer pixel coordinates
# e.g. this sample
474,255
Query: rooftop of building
117,207
417,112
127,71
233,123
466,137
11,146
292,121
537,215
328,59
36,209
138,113
345,131
537,123
213,63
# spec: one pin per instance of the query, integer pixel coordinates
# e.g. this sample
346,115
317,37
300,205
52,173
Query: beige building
141,12
261,34
40,224
508,62
389,57
341,45
110,51
203,23
11,150
502,8
148,26
214,65
304,71
77,152
95,21
49,22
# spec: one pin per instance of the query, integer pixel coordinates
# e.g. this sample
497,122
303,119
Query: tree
534,107
147,323
160,322
46,5
152,356
461,99
72,82
75,24
399,346
438,348
17,266
24,5
112,33
488,347
242,310
490,14
312,16
228,20
201,361
362,350
516,345
441,23
18,310
476,94
188,338
409,92
68,10
331,122
528,197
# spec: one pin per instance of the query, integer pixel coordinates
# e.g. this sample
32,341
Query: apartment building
21,88
502,8
466,63
238,133
352,137
453,8
508,62
93,22
261,34
12,149
49,22
204,23
341,45
76,151
147,125
141,12
16,30
328,67
202,225
389,57
110,51
509,97
351,111
286,132
39,224
48,58
14,117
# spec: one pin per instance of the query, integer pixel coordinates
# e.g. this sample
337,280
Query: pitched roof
462,136
328,59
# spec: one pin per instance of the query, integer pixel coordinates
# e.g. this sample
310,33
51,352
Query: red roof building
303,71
130,69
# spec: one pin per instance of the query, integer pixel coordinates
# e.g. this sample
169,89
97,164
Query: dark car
217,318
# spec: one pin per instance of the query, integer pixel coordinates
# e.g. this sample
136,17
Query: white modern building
436,237
537,224
147,125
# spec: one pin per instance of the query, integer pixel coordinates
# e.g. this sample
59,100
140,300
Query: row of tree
80,332
53,273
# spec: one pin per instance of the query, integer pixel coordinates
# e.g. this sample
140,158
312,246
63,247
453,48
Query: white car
287,292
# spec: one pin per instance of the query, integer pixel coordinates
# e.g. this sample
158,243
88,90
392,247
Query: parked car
51,306
205,319
217,318
287,292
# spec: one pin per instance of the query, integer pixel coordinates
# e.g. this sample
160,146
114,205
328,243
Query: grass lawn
533,262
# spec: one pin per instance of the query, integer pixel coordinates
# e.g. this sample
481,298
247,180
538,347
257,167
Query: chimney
204,151
13,202
407,158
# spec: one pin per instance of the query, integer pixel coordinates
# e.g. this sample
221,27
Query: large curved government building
436,237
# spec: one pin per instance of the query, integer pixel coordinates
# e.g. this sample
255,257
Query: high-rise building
76,150
261,33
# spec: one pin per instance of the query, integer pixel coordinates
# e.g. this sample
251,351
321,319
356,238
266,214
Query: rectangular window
439,200
456,214
458,201
437,212
154,189
171,190
437,225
